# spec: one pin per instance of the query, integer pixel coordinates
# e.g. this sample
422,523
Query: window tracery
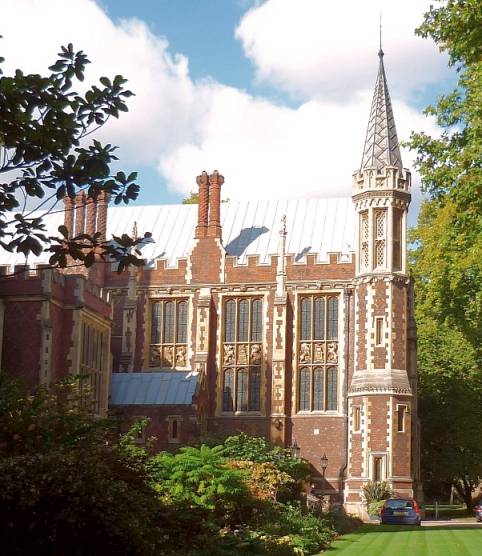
364,237
380,238
168,347
242,354
318,353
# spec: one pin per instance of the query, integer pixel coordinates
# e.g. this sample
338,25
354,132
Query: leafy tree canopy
45,155
445,258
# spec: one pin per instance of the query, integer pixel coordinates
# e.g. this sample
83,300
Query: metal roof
318,226
381,143
159,388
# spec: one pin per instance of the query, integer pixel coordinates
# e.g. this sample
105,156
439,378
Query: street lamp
324,465
295,450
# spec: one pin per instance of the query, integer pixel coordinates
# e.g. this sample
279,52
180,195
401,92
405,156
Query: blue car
400,511
478,512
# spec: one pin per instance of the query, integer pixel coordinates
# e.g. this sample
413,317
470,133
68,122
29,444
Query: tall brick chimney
216,180
80,213
84,215
203,205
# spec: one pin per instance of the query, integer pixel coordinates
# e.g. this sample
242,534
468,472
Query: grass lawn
391,540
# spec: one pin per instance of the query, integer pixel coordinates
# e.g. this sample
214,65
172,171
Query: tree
45,156
193,199
446,260
68,484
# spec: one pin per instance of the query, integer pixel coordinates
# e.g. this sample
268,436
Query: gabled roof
159,388
319,226
381,143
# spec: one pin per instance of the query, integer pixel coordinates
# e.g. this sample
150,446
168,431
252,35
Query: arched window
331,389
181,322
242,390
169,322
318,352
318,390
256,332
169,334
156,323
319,332
332,318
228,390
242,352
255,389
243,324
230,321
305,384
306,319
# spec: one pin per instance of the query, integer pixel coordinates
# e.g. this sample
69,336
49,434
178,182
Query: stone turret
380,393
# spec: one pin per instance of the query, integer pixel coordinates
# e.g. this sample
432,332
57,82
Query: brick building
291,320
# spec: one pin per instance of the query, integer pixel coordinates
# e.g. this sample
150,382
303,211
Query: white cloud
313,48
182,127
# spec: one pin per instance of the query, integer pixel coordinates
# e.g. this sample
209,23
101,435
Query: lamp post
295,450
324,465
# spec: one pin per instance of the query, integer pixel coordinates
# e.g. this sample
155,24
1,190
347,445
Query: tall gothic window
242,348
92,366
168,348
380,238
318,353
397,239
364,236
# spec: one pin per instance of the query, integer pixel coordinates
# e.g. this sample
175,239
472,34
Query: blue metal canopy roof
148,388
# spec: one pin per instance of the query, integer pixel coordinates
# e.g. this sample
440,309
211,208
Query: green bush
376,491
375,507
199,478
67,484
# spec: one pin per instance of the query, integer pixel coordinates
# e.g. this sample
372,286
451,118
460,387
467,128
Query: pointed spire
381,143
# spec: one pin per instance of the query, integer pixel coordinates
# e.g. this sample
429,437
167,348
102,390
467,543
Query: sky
274,94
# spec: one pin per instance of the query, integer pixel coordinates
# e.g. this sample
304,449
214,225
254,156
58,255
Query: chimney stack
203,205
216,180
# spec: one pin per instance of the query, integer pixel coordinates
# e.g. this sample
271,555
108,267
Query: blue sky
275,94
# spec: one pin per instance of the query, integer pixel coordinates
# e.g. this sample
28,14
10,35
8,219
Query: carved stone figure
168,356
305,355
229,355
255,356
332,352
181,356
242,355
319,354
155,356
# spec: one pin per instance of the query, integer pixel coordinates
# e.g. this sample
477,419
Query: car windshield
397,504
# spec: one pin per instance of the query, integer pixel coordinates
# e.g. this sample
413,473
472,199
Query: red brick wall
22,340
158,423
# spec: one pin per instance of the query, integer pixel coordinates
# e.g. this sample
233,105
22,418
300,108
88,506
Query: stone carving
305,355
242,355
168,356
155,356
319,353
332,352
229,355
181,356
255,356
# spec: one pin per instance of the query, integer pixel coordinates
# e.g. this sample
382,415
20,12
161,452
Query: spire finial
380,52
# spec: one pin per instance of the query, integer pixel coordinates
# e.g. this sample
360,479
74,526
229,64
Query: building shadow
246,236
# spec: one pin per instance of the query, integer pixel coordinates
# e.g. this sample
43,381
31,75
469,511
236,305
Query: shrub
375,507
243,447
199,478
264,480
67,484
376,491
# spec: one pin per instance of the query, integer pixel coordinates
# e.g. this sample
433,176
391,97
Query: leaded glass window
364,236
242,354
168,347
380,238
317,353
397,239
